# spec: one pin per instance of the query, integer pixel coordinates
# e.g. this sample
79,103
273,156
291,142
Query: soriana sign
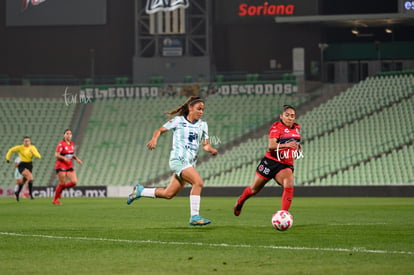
261,11
266,8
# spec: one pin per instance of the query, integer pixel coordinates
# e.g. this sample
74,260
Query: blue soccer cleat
197,220
136,193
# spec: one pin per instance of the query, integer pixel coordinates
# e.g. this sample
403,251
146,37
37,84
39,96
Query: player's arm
153,142
11,151
273,145
35,152
77,159
208,148
59,156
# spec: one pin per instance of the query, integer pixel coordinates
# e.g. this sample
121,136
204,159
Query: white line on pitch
349,250
356,224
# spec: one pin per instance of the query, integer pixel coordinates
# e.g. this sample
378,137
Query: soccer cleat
197,220
136,193
17,195
56,202
237,208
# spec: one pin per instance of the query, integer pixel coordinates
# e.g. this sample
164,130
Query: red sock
247,193
287,198
58,191
69,184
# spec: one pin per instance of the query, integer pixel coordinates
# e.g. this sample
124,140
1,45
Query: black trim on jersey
287,140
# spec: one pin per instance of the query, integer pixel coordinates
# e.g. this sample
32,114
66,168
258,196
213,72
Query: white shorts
178,165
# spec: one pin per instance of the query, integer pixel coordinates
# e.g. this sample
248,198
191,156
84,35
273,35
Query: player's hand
292,144
213,151
151,144
79,161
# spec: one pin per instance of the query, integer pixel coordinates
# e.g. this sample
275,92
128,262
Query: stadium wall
300,191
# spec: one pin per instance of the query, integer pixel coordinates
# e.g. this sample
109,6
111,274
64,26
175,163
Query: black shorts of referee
25,165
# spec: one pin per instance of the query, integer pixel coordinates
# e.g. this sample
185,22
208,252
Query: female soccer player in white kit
189,132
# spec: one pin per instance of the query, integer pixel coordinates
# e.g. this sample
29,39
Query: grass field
105,236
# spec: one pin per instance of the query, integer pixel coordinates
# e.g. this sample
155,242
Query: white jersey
187,137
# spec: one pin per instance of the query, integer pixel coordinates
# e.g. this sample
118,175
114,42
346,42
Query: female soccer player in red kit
65,153
277,164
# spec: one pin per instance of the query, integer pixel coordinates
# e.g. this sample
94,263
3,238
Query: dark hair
287,106
67,130
26,137
183,110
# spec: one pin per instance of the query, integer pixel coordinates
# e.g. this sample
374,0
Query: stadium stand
351,130
366,135
120,128
386,147
44,120
348,140
361,99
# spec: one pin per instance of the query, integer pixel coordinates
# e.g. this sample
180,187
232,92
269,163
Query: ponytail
183,110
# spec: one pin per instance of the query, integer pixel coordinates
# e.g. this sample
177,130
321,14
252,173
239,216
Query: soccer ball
282,220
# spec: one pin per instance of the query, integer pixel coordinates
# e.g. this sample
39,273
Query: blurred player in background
26,153
20,180
189,132
283,148
65,153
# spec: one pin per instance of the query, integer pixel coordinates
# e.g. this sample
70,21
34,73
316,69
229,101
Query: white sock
148,192
195,204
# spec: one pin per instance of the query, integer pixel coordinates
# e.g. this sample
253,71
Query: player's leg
73,179
286,180
18,188
25,190
175,186
28,175
191,176
257,185
61,178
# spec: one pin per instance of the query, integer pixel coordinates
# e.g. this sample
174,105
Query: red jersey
66,150
284,134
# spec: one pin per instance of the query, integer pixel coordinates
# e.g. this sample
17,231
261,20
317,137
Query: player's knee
169,196
288,184
198,183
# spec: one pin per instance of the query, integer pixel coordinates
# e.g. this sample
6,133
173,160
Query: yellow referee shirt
26,154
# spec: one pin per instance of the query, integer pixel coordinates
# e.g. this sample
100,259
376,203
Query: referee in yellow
26,153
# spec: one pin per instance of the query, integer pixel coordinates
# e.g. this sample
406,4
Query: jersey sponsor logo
261,167
192,136
192,147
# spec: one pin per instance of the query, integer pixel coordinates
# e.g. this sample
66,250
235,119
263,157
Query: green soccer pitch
152,236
